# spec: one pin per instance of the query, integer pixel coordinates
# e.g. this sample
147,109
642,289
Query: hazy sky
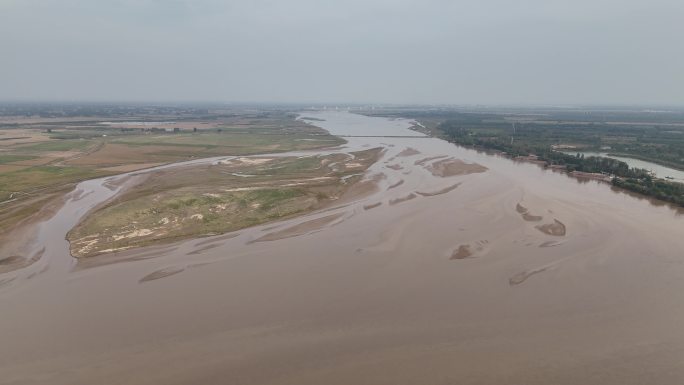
386,51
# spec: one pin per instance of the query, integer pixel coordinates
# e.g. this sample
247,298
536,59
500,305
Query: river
509,274
658,170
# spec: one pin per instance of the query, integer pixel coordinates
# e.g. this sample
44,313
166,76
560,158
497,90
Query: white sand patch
115,249
242,189
246,161
353,165
220,207
241,175
88,245
133,234
254,161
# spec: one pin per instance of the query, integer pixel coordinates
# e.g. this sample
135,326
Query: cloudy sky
384,51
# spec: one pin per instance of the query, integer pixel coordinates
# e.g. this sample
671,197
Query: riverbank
605,169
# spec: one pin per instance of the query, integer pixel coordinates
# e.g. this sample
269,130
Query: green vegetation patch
44,176
226,143
174,215
215,199
56,145
14,158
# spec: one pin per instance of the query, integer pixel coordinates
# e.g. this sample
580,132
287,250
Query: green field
56,145
41,176
14,158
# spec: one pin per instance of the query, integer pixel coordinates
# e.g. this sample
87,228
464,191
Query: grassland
42,157
212,199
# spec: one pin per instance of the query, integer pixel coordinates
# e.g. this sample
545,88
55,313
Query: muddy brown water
369,296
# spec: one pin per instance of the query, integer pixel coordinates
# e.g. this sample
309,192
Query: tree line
633,179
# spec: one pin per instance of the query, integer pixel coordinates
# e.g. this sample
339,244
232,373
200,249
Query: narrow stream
658,170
